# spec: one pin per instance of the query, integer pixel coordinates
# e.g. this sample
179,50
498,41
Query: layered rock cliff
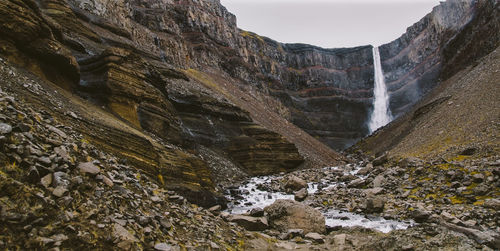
184,79
326,92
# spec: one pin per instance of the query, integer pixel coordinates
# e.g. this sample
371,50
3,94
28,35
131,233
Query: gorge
145,124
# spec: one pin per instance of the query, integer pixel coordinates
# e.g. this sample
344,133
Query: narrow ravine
259,192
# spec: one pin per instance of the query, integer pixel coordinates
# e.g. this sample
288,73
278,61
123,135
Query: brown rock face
27,35
288,214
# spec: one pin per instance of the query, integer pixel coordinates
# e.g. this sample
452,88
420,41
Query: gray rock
257,212
489,238
339,239
365,170
62,152
318,238
5,128
301,194
378,181
250,223
295,183
57,131
88,167
420,215
374,204
45,161
357,183
107,181
373,191
60,179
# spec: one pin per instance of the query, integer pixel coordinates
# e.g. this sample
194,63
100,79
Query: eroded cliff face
326,92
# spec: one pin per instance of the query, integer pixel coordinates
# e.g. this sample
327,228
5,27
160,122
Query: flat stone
318,238
165,247
57,131
88,167
250,223
285,245
59,191
374,191
215,208
356,183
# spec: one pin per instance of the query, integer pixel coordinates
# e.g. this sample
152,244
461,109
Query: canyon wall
326,92
182,74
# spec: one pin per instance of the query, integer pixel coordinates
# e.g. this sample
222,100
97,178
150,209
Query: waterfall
381,114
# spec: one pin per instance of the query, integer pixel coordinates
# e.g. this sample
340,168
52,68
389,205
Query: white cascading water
381,114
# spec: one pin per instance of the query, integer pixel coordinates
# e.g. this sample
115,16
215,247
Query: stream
253,194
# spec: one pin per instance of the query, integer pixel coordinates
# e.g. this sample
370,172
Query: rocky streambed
411,203
260,192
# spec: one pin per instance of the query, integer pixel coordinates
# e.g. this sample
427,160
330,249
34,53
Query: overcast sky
329,23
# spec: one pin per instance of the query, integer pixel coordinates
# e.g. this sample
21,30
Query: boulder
250,223
374,204
295,183
420,215
288,214
318,238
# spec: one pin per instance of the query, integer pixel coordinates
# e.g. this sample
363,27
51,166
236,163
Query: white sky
329,23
